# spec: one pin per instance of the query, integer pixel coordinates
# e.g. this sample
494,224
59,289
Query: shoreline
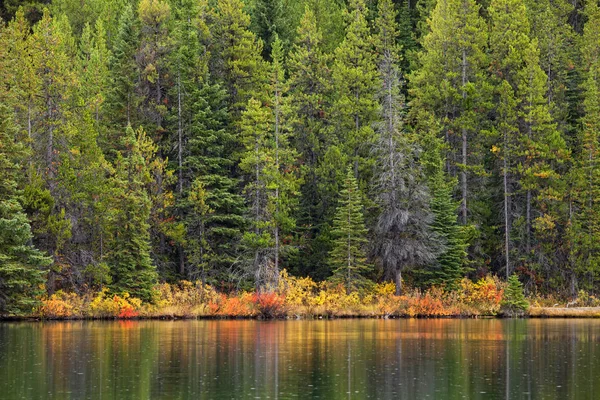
533,313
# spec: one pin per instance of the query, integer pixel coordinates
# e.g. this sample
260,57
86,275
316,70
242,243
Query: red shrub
127,312
269,305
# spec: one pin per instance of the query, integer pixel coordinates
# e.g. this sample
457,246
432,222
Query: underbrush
294,298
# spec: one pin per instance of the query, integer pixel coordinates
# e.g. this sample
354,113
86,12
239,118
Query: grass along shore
304,298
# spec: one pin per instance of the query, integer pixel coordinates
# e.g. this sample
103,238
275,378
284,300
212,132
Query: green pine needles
348,257
514,303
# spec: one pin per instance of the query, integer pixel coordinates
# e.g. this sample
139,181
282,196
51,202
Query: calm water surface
344,359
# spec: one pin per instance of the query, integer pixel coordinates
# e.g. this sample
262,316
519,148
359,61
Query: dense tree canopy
157,140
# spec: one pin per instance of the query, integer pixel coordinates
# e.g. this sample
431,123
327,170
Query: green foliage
513,301
21,265
470,127
237,63
122,97
355,79
309,104
128,227
449,266
348,256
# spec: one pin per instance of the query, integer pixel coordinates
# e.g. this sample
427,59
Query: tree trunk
398,282
179,137
463,174
528,222
506,213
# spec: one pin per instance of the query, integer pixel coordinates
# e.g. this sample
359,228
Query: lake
340,359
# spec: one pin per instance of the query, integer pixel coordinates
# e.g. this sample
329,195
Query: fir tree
128,226
451,83
237,61
21,265
584,230
513,301
309,103
348,256
355,79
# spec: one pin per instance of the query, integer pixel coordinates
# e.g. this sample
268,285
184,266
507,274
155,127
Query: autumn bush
184,300
106,305
269,305
294,297
485,295
234,305
61,305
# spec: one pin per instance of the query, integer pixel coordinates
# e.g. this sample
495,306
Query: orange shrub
485,295
232,306
63,305
426,306
269,305
55,308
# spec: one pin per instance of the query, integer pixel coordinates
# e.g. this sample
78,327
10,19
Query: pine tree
21,265
94,58
237,61
18,75
54,66
348,256
531,144
449,265
451,83
329,17
513,302
309,108
123,100
128,224
355,79
584,230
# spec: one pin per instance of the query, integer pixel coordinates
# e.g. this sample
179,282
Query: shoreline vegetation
451,147
302,298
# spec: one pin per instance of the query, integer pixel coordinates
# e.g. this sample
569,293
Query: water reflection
345,359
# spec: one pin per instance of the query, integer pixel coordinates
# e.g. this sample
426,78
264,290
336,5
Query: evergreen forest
354,142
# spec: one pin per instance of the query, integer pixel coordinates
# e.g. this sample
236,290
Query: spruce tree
531,144
128,225
21,264
123,100
403,235
273,19
513,301
355,79
237,61
348,257
450,264
584,230
309,103
152,59
213,236
451,83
